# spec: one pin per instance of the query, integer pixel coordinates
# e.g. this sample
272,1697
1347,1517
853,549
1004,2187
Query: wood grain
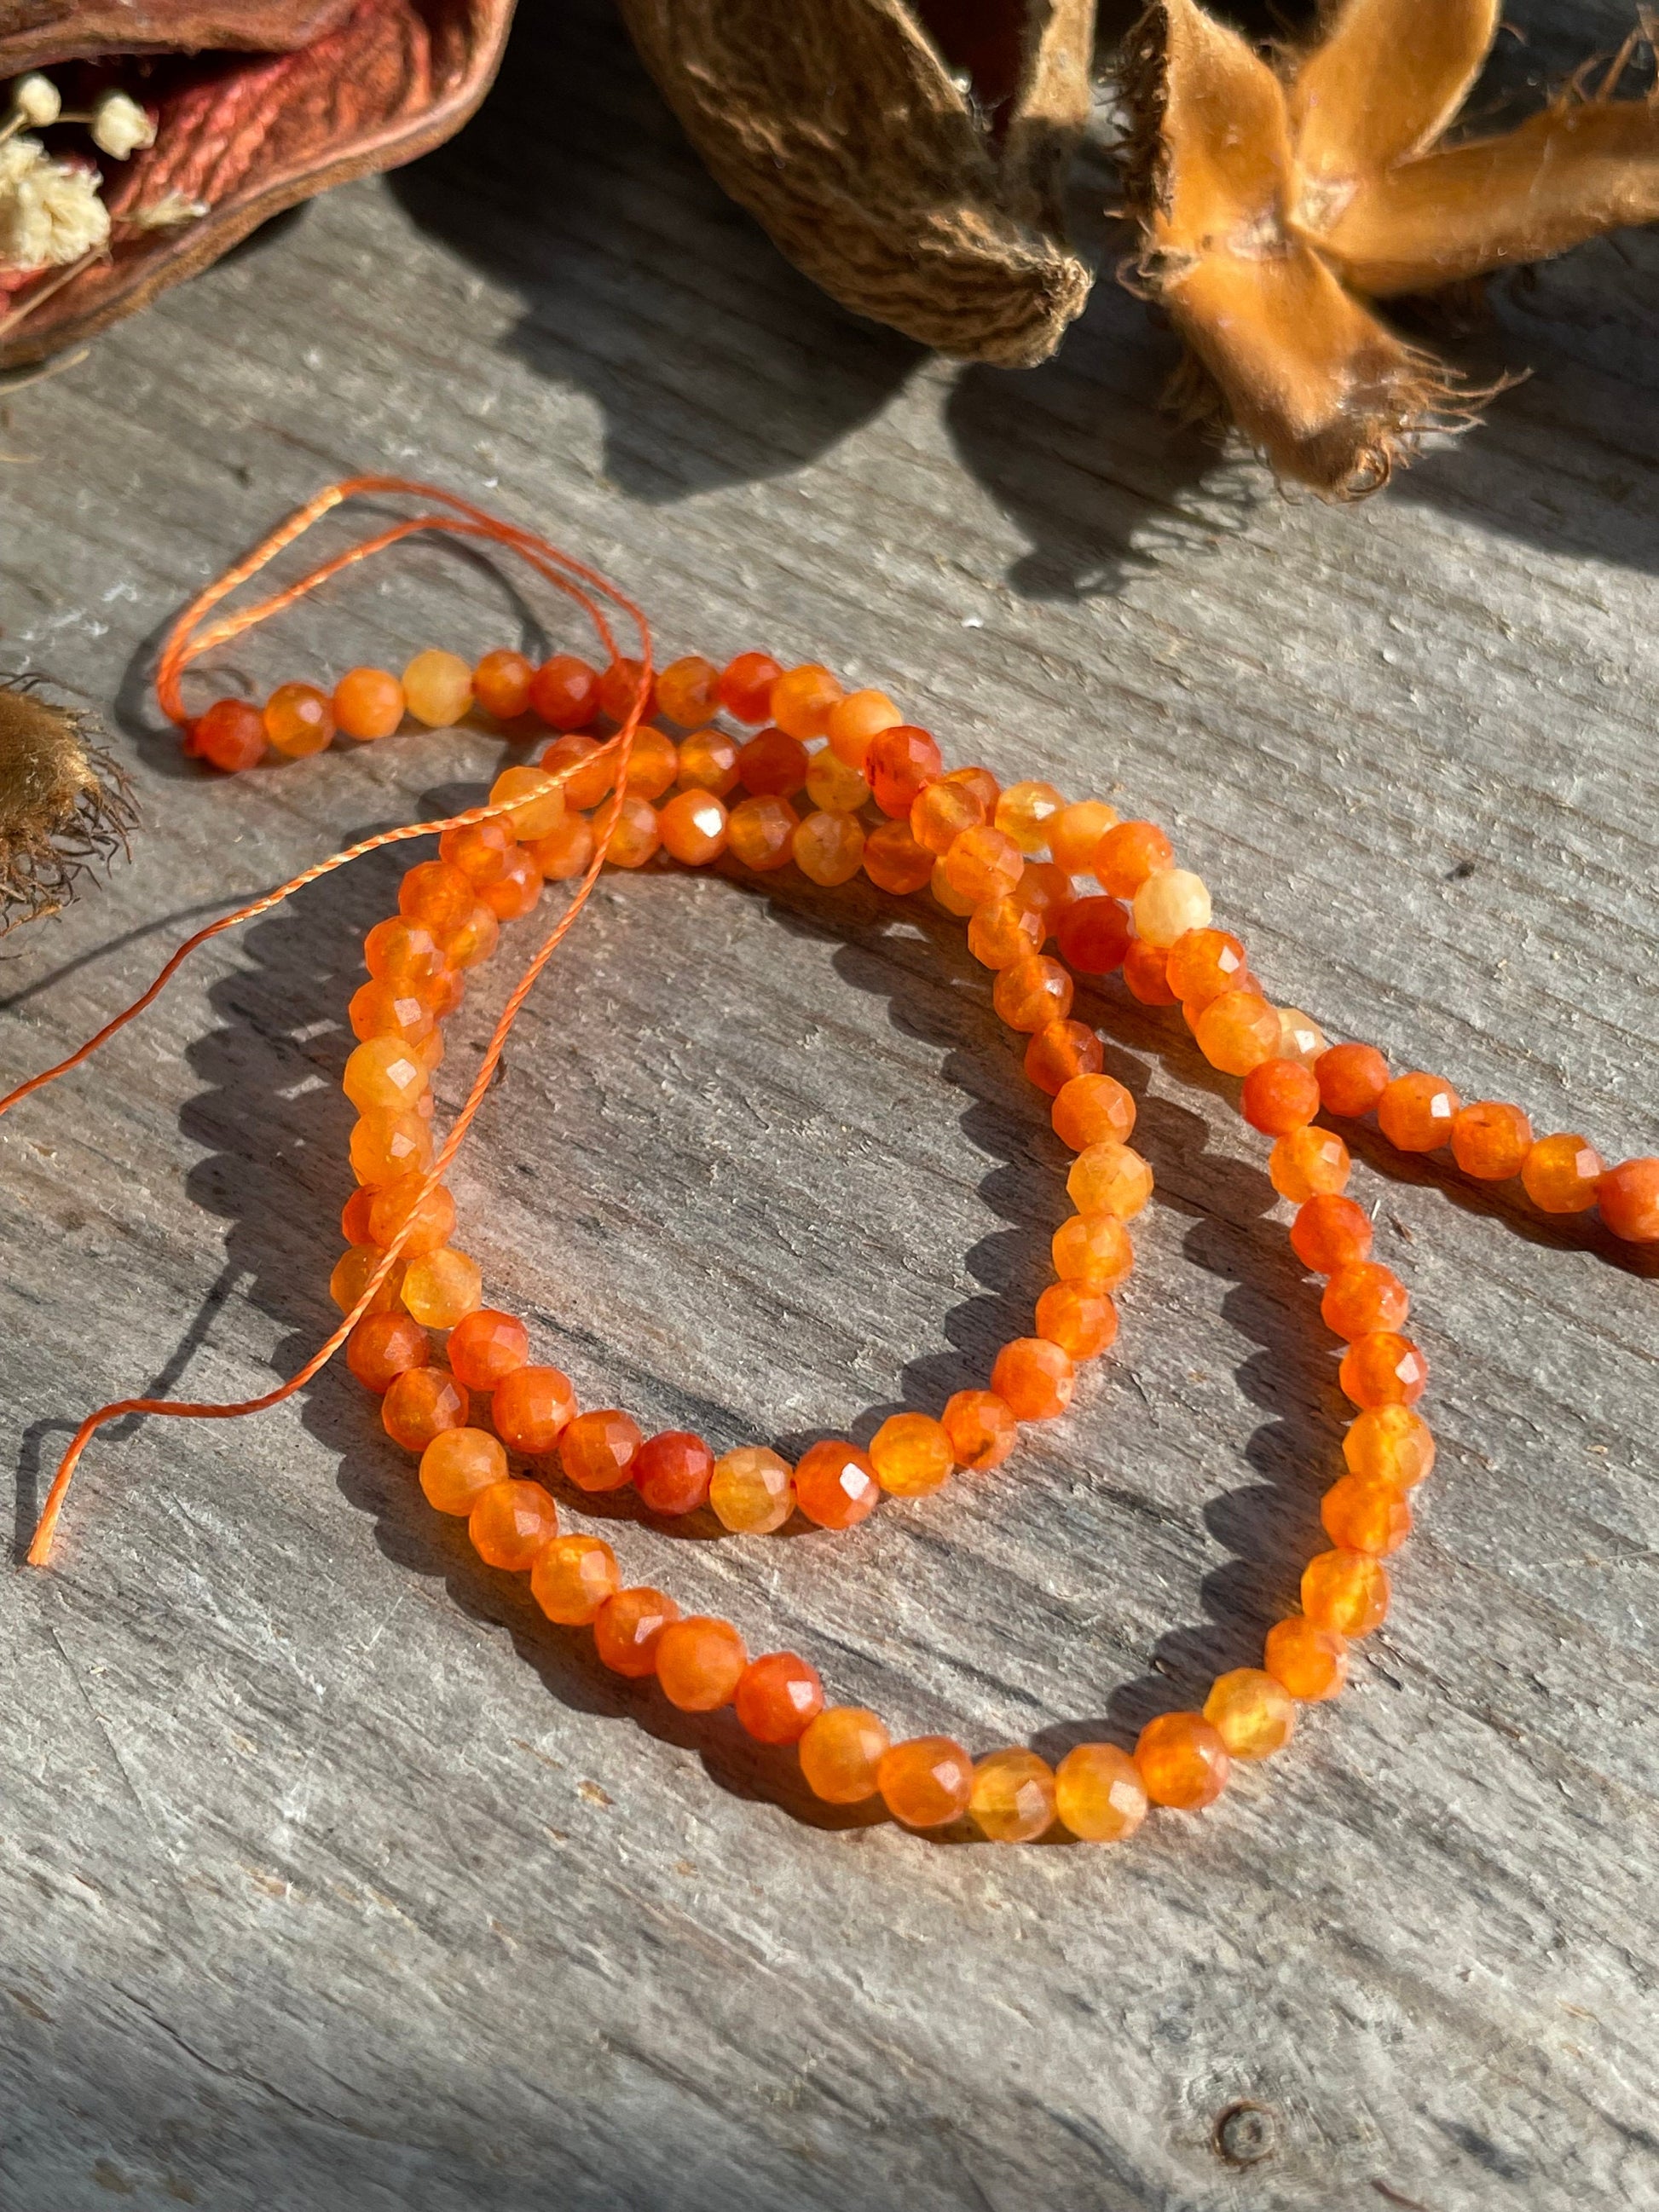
331,1877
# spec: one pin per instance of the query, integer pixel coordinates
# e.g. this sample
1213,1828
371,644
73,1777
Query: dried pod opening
984,45
64,805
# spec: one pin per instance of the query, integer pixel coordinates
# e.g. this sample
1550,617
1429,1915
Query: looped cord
190,636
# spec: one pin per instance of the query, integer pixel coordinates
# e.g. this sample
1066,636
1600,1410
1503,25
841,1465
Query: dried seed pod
909,196
1275,206
64,804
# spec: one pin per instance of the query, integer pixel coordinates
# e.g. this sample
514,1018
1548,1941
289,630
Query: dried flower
167,213
35,101
63,804
119,127
50,212
1275,206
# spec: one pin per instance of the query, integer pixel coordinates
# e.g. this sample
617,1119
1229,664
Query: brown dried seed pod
840,125
64,804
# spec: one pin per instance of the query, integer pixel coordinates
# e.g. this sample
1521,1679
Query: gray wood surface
331,1877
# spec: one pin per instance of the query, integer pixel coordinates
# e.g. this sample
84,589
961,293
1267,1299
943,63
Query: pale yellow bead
1024,812
752,1490
1300,1036
437,688
1169,905
833,786
442,1287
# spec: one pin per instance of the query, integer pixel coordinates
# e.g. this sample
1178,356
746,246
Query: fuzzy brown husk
64,805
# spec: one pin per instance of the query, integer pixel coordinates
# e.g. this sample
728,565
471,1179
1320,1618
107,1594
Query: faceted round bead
1061,1052
1032,993
1074,833
501,684
894,861
403,954
438,688
351,1276
1347,1592
981,1429
836,1485
625,689
1351,1078
980,780
457,1467
761,831
1145,974
953,901
828,848
1098,1793
564,852
854,721
1170,903
911,1454
699,1662
1046,889
472,942
628,1628
598,1451
1093,1250
510,1522
773,765
231,735
1365,1296
981,864
841,1753
354,1217
1628,1196
1252,1712
803,698
1035,1379
1024,812
299,719
1391,1444
1183,1760
637,838
516,890
421,1404
927,1781
1091,1109
709,762
1559,1174
385,1345
778,1698
1204,964
1237,1031
368,703
588,770
752,1490
1129,853
653,764
385,1146
1416,1112
1383,1369
383,1076
833,786
535,797
942,812
532,1408
1012,1797
692,826
442,1287
1082,1322
1110,1178
1329,1233
901,763
688,690
671,1471
1278,1099
1092,935
573,1577
1361,1514
479,850
488,1346
1310,1162
1002,932
745,686
1312,1663
565,692
1301,1040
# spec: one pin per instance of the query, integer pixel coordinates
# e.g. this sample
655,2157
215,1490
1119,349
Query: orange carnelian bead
299,719
1252,1712
1280,1097
1092,1250
1390,1443
1081,1322
1129,853
479,850
1351,1078
834,786
442,1287
1416,1112
367,704
901,763
745,686
385,1146
1049,890
390,1010
588,769
911,1454
1092,935
1329,1233
802,699
671,1471
1561,1173
472,942
773,765
1183,1760
1002,931
1360,1514
1061,1052
598,1451
688,690
954,901
1033,993
1311,1663
1170,904
752,1490
636,838
778,1698
1035,1379
840,1754
510,1522
981,1429
437,688
1091,1108
1628,1196
1308,1163
1347,1592
536,796
692,825
564,852
1237,1031
1203,964
981,864
488,1346
709,762
1363,1297
942,812
516,890
627,1628
1074,833
1024,812
1110,1178
828,848
1099,1794
653,764
1146,973
982,783
446,991
625,689
854,721
925,1781
421,1404
565,692
836,1485
438,894
1301,1040
501,682
760,833
457,1467
385,1345
1012,1797
383,1076
573,1577
699,1662
532,1408
894,861
1383,1369
231,735
354,1216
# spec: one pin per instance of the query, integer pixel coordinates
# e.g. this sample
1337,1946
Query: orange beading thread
186,641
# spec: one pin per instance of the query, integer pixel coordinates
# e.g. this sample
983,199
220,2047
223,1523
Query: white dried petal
165,214
50,212
37,99
120,127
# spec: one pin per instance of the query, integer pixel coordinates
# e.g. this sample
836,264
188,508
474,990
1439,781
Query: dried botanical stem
66,804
